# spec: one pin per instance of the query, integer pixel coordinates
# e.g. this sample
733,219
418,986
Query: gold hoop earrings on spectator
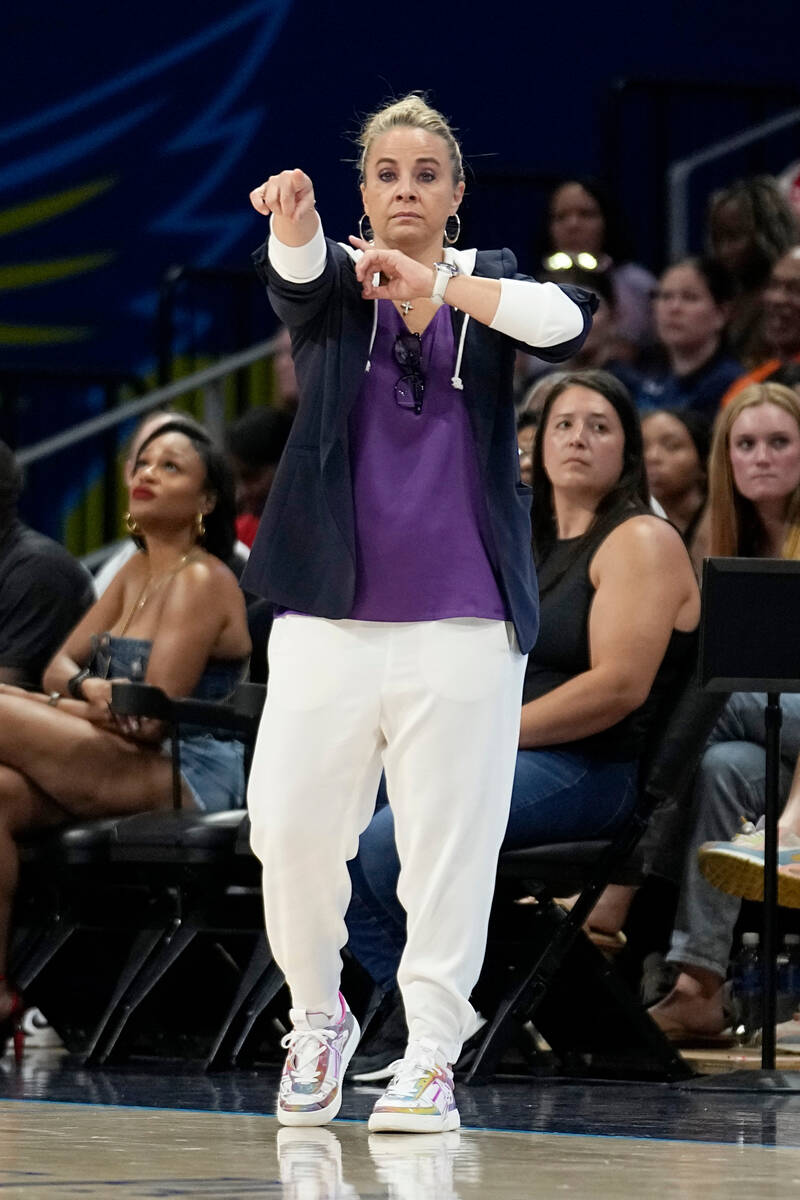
450,237
199,527
131,524
366,235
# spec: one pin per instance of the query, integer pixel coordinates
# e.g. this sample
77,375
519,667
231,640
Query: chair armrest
239,714
672,767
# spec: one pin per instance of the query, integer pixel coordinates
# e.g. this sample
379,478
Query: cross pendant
407,307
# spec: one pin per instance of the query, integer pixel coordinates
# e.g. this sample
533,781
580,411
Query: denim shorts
214,772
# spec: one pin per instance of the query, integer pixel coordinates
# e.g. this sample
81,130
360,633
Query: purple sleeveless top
420,514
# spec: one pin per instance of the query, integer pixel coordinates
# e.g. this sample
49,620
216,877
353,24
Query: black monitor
750,625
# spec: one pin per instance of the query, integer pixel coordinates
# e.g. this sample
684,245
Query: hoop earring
368,236
199,527
131,524
452,238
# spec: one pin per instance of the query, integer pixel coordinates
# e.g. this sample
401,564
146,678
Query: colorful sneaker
737,867
420,1097
310,1091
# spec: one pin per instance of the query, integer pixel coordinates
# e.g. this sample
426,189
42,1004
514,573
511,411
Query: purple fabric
419,508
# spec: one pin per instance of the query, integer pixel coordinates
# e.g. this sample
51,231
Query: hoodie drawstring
368,367
457,381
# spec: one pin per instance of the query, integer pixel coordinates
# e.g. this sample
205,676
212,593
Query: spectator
691,310
619,606
255,444
676,448
43,590
149,423
750,226
583,221
175,617
754,505
781,324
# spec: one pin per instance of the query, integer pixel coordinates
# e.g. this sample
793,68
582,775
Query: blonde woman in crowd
754,511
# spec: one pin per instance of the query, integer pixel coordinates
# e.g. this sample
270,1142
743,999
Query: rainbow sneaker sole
737,867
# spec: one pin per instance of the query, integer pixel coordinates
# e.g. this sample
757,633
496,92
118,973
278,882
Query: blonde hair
411,112
735,529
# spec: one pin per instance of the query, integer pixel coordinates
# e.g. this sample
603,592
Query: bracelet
75,684
54,698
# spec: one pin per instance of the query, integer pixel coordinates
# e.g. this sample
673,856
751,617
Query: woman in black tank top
619,607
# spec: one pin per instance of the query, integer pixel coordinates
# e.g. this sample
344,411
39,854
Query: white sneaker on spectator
420,1097
310,1091
39,1033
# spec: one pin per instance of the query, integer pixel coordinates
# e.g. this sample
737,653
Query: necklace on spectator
151,585
407,307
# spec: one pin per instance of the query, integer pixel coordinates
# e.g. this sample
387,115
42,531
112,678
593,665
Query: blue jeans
729,788
557,797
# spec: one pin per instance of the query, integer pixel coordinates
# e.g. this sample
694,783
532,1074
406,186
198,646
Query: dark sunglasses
410,387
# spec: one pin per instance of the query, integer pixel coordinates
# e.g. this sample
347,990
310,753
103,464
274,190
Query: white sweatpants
437,705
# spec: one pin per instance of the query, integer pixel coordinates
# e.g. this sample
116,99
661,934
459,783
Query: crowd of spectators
711,346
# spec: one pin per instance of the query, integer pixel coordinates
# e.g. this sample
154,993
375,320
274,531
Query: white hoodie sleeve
298,264
539,314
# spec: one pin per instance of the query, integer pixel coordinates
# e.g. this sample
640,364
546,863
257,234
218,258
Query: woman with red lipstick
173,617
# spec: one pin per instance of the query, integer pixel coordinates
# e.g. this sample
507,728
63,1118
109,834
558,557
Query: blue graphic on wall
102,191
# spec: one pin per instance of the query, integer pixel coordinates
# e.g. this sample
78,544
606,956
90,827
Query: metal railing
210,382
680,172
652,123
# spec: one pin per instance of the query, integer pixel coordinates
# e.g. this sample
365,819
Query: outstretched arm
292,262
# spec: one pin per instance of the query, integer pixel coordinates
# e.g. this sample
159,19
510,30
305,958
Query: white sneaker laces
305,1046
418,1060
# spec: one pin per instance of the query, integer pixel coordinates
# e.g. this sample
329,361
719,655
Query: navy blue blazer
303,557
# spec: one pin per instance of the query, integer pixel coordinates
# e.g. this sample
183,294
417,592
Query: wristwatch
75,684
444,273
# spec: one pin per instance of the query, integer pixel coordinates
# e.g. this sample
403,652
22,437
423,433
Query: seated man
729,792
737,866
780,323
43,590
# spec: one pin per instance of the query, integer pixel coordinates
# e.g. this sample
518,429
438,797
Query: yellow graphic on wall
17,276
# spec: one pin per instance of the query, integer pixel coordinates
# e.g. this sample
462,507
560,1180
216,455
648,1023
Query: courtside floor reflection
66,1132
66,1151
